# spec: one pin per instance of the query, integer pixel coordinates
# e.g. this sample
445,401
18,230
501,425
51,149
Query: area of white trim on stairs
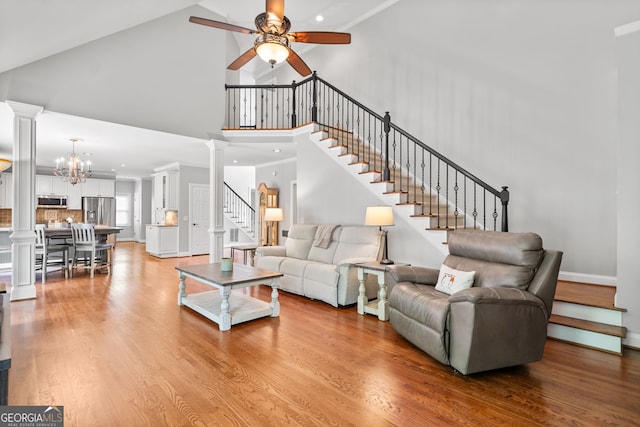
592,279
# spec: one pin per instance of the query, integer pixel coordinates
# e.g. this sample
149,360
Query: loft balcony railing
437,186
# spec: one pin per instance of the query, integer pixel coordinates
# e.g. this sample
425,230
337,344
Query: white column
216,199
24,210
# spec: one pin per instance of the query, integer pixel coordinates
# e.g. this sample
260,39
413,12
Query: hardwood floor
118,351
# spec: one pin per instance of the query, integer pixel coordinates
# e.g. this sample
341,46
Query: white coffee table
223,306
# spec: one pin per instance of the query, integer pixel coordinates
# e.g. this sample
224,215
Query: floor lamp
272,216
381,216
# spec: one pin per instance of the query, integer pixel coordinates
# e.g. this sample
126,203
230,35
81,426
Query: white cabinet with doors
46,184
74,197
95,187
165,190
162,241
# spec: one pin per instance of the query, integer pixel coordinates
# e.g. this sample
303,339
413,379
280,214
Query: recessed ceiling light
235,161
113,170
276,150
319,18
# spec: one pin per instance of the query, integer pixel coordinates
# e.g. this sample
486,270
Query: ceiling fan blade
242,59
298,64
221,25
321,37
275,9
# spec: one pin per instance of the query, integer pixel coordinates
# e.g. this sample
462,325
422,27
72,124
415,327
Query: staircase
417,181
354,156
240,213
586,315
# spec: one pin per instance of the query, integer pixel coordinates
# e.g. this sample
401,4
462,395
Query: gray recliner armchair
500,321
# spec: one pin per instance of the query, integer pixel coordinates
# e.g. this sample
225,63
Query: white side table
380,306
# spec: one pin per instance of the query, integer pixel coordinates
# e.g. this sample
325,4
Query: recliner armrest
496,296
270,251
409,273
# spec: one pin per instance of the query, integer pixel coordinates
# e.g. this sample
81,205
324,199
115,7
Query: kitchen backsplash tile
44,216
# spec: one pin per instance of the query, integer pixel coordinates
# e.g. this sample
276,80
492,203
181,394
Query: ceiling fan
272,43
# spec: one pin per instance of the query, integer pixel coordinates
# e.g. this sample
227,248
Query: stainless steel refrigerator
99,210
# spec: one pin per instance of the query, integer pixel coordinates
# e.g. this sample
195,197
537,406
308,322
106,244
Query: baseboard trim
593,279
632,341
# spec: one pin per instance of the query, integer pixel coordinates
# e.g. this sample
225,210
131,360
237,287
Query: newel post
314,108
386,174
294,118
504,198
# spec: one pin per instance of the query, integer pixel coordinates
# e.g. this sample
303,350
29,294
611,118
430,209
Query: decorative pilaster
216,207
23,214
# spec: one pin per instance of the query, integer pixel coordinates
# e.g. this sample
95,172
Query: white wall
134,77
327,194
628,49
242,179
279,175
520,93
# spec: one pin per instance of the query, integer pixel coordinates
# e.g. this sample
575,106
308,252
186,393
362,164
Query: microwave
52,202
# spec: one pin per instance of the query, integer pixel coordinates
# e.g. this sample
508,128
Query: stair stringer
435,238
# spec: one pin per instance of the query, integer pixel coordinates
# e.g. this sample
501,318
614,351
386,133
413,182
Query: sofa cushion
451,280
321,282
293,266
270,262
323,255
299,240
357,242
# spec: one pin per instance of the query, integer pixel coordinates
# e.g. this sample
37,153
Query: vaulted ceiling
138,83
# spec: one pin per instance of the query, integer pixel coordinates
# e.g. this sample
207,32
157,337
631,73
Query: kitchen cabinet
95,187
46,185
162,241
6,190
165,190
74,196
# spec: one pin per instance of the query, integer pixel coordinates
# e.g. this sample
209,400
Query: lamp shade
273,214
379,215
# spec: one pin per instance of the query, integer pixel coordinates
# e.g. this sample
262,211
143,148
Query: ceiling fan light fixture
272,48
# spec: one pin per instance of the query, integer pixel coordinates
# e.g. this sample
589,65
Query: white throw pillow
451,280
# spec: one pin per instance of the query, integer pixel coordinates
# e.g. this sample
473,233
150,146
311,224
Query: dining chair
45,248
84,240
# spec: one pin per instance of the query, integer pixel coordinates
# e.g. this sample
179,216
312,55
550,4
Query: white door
198,219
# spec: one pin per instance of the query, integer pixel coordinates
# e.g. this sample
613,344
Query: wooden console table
222,306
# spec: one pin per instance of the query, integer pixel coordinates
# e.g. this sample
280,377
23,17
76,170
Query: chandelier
73,170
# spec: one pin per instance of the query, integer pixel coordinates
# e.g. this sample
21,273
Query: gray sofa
500,321
323,273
